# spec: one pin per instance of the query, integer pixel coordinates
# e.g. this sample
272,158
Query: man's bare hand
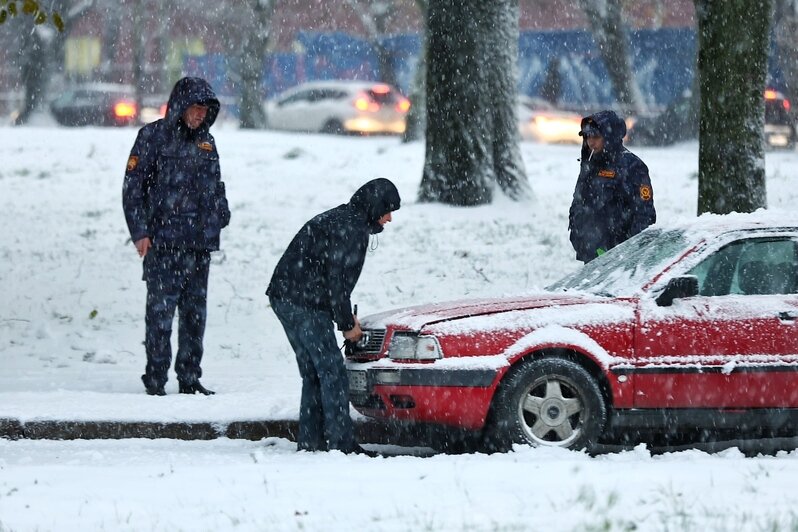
355,333
143,246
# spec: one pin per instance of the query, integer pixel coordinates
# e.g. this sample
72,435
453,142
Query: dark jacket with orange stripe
613,198
173,192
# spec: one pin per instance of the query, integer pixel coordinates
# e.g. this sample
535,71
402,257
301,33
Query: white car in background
540,121
339,107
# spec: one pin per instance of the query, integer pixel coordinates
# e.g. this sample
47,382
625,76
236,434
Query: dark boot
152,388
195,387
155,390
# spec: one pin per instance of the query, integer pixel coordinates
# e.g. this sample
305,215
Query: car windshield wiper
603,294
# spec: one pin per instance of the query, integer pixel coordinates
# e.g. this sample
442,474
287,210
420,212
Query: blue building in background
663,62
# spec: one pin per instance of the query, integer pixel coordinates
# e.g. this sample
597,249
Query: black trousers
324,421
177,279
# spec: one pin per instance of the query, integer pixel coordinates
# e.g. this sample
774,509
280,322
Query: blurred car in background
540,121
679,122
779,121
339,107
96,104
153,107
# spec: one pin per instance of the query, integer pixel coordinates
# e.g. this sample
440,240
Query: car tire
546,402
333,127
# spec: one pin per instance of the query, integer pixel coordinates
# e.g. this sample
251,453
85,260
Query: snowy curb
366,431
74,430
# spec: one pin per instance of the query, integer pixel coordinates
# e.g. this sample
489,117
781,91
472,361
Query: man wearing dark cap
175,207
310,290
613,199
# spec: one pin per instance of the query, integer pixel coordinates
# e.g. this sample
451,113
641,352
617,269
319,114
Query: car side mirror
678,287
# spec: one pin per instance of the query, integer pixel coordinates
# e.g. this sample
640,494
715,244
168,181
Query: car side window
748,267
327,94
294,98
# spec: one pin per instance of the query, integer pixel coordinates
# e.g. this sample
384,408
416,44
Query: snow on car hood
490,313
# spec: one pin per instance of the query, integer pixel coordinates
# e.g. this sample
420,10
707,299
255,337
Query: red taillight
403,105
364,103
380,89
786,104
162,110
125,109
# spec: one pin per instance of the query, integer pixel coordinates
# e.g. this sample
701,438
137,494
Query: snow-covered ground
71,327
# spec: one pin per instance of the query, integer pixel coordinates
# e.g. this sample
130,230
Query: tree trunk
33,66
41,54
552,85
606,22
385,60
251,113
138,53
786,36
416,123
374,18
472,128
732,68
501,62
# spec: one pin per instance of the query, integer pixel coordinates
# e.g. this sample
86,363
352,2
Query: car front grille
371,345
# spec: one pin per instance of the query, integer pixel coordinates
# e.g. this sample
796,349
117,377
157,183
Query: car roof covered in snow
722,223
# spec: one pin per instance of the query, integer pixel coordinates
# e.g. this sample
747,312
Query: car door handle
788,316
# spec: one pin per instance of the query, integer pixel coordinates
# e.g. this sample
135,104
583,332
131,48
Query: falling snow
72,325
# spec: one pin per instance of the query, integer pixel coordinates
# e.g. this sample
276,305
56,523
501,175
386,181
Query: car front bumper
368,124
427,393
779,136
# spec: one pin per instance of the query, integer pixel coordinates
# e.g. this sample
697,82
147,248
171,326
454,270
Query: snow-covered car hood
417,317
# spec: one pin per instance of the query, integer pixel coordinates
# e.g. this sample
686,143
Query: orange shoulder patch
132,163
645,192
609,174
206,146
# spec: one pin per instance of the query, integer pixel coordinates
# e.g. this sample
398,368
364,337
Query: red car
692,325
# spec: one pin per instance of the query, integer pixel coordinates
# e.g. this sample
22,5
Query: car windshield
623,270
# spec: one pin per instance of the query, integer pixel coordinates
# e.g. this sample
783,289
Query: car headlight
412,346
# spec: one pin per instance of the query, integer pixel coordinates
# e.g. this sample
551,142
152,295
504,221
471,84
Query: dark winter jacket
613,198
173,192
322,264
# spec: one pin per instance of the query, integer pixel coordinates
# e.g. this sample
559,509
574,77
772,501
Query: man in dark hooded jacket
310,290
175,207
613,199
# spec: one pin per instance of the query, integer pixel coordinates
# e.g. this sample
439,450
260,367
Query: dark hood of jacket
375,199
321,265
187,92
612,128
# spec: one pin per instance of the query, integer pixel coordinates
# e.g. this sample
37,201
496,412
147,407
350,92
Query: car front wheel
547,402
